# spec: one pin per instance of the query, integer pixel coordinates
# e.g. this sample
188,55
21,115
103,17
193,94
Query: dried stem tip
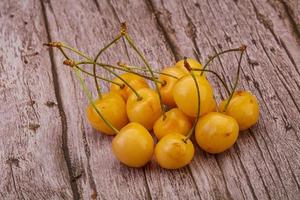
69,62
186,64
243,47
53,44
121,64
123,28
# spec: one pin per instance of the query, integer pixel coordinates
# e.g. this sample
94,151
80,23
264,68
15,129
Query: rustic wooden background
49,151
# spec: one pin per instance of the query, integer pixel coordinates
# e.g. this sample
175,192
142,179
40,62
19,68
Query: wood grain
49,151
32,161
259,166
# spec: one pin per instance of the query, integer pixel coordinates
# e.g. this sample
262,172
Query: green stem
131,43
217,55
88,73
75,51
125,70
80,53
90,98
198,109
236,80
95,60
115,74
217,75
98,77
145,70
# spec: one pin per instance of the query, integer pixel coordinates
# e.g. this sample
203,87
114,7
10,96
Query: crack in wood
173,47
272,159
11,162
89,170
263,181
65,147
290,56
279,71
294,176
191,31
263,157
223,177
115,13
245,172
293,23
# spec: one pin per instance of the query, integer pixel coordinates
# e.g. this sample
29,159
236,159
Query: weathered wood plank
98,174
160,185
31,155
264,162
292,8
39,164
90,153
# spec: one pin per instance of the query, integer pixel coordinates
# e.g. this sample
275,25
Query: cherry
185,95
133,145
192,63
113,108
175,121
216,132
243,107
169,82
173,151
135,81
145,110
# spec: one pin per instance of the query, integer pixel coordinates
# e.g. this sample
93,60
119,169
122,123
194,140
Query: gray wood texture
49,151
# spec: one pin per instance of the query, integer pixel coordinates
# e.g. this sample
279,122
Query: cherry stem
59,44
88,73
131,43
187,65
115,74
98,77
124,69
90,98
242,49
145,70
75,51
217,75
129,70
95,60
217,55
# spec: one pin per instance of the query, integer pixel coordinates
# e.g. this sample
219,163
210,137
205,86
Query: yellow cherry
174,121
243,107
169,82
185,95
146,110
216,132
193,64
113,108
135,81
134,145
173,152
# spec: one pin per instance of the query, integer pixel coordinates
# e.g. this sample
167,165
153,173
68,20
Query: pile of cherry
181,105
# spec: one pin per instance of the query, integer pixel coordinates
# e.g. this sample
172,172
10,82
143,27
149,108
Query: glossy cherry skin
243,107
194,64
113,108
135,81
145,111
186,98
174,121
169,82
134,145
172,152
216,132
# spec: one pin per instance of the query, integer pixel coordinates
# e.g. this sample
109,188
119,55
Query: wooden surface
49,151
